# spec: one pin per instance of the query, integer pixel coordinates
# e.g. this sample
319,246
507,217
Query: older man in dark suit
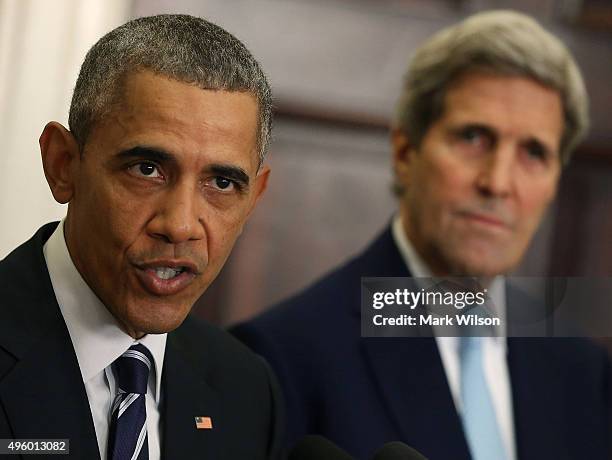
490,112
161,167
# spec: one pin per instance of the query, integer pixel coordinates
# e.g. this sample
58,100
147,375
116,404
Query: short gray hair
497,42
181,47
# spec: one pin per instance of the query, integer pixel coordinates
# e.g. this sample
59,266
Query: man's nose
496,174
179,216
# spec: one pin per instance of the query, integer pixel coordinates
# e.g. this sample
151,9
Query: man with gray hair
490,112
161,167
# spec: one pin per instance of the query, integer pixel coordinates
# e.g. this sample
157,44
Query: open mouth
166,273
163,279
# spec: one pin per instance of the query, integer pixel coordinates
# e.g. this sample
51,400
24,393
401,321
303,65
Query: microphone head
317,447
397,451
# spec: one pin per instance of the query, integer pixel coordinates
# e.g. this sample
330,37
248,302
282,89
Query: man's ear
60,153
403,150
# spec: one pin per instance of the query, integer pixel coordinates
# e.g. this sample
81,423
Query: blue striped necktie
127,435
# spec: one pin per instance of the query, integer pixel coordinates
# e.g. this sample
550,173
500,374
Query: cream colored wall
42,44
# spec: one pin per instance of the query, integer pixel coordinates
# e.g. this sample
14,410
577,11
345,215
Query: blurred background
335,67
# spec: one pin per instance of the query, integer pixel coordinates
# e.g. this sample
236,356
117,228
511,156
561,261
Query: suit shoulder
26,293
326,313
219,349
337,294
24,271
321,317
332,294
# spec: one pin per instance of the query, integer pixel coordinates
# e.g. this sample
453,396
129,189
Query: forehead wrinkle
162,112
181,127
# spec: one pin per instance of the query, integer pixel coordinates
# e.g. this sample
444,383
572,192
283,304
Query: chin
158,326
481,259
480,269
157,319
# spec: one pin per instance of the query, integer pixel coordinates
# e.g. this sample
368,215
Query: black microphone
313,447
397,451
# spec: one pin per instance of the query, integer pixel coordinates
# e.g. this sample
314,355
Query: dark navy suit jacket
363,392
206,373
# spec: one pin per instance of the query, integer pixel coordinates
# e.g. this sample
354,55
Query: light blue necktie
478,415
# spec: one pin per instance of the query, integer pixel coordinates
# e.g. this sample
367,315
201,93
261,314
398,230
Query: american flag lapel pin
203,423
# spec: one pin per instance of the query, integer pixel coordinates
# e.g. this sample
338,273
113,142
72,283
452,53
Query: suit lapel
43,393
413,386
409,372
536,392
536,383
187,395
44,397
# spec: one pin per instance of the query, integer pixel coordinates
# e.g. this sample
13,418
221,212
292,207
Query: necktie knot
132,369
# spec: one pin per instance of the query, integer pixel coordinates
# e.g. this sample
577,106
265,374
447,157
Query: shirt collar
96,336
412,259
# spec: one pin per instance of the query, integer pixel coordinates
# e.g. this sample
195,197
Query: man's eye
474,139
470,135
536,151
145,169
473,136
222,183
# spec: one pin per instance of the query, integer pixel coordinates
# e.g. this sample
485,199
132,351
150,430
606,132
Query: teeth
166,273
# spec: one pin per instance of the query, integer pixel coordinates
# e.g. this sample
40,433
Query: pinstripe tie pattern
127,438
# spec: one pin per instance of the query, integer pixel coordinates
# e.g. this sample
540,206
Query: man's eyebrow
146,153
482,127
234,173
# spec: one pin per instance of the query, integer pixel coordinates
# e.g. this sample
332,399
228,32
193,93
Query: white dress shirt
98,341
493,348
